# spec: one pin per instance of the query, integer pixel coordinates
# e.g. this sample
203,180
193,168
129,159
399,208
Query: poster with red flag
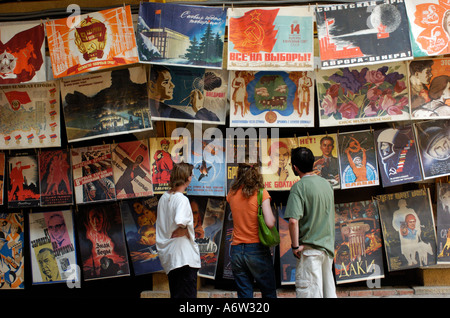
91,42
271,38
22,53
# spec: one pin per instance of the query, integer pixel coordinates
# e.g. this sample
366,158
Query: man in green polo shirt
310,211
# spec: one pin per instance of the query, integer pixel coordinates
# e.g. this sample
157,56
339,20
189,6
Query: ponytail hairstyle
248,178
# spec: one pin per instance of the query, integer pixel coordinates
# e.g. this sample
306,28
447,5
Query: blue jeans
253,263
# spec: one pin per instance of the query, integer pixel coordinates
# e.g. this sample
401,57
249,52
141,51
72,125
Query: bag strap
260,195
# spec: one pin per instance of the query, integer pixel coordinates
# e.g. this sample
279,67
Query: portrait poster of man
23,180
184,35
408,229
91,42
55,177
131,169
208,215
429,86
443,222
434,147
325,149
93,174
362,33
397,155
11,250
271,38
139,218
162,158
358,159
429,28
106,104
288,262
358,254
240,150
2,176
271,98
102,243
188,94
276,163
363,94
52,244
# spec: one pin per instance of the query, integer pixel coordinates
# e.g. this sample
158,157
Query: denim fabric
253,263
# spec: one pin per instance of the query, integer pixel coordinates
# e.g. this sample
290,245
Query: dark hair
303,159
180,174
437,86
155,70
248,178
419,66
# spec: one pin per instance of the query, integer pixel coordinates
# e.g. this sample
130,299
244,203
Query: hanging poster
103,249
275,99
131,169
30,116
52,244
186,35
228,231
408,229
276,163
358,160
11,250
325,149
188,94
434,150
162,158
238,149
365,32
358,243
271,38
105,104
429,29
397,155
23,180
429,85
443,223
22,52
90,42
209,174
93,174
363,95
288,262
139,218
2,176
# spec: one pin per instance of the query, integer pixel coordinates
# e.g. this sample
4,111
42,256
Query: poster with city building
271,38
271,99
23,180
52,244
362,33
105,104
11,250
186,35
443,222
91,42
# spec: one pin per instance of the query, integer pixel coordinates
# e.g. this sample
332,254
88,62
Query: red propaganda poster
23,182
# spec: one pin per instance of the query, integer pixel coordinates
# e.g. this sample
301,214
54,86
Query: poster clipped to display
11,251
52,244
23,180
443,222
271,99
184,35
271,38
364,32
91,42
162,158
363,95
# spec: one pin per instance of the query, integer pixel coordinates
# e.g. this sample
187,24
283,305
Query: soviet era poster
105,104
228,236
139,218
429,88
363,95
430,33
271,99
103,249
362,33
434,151
240,150
92,41
11,250
23,180
131,169
162,158
174,34
55,177
397,155
30,116
188,94
271,38
2,176
443,223
358,159
408,229
358,253
93,174
22,46
288,262
52,244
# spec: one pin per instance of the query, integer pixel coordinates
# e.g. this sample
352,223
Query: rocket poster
271,38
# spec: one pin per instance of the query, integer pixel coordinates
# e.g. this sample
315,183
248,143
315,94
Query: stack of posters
443,223
23,180
11,250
